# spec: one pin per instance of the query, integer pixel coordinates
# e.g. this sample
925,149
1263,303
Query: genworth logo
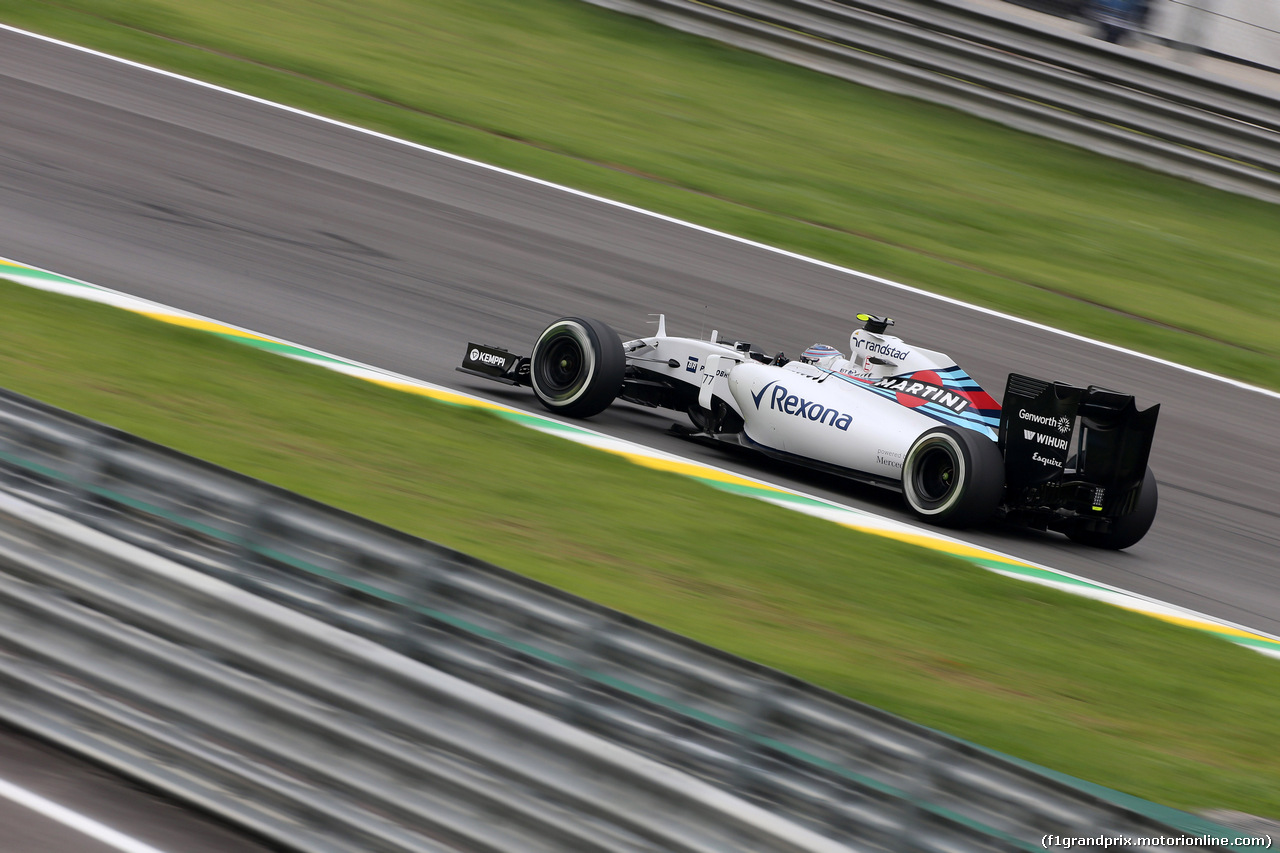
1062,424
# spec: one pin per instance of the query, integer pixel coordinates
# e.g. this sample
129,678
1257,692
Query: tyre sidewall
1127,529
977,481
599,374
565,330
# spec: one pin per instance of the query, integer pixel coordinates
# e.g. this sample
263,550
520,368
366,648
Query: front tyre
953,477
577,366
1127,529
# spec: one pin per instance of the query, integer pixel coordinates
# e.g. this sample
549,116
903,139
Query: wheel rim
562,370
936,475
562,365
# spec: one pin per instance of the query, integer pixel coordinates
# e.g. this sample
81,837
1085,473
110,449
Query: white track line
74,820
639,210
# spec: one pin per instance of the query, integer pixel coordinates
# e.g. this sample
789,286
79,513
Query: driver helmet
822,355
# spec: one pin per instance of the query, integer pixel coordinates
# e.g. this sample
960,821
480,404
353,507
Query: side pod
1073,453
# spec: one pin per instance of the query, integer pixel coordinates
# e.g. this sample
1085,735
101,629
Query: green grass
1109,696
618,106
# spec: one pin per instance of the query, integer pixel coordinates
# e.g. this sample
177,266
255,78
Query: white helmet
822,355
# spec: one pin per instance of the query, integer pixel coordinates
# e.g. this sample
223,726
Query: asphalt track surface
397,257
145,818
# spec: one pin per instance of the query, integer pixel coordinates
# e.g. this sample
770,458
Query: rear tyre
1127,529
577,367
953,477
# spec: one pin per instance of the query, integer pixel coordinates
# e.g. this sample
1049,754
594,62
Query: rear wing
1073,451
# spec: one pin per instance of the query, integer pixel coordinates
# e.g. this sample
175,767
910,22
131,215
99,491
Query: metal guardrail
1075,89
312,737
849,771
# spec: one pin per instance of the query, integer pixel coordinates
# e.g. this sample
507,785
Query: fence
1072,88
848,771
312,737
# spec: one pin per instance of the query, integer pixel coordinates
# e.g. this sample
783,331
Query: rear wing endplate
1083,450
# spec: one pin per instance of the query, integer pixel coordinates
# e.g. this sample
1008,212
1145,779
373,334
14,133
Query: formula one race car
1054,456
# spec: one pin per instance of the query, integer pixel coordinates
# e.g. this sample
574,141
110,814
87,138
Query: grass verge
1119,699
618,106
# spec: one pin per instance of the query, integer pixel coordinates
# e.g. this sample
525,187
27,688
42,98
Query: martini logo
914,392
781,400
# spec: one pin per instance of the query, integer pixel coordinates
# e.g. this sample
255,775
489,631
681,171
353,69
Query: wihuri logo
1051,441
789,404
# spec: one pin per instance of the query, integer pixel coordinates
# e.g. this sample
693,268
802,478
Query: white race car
1054,456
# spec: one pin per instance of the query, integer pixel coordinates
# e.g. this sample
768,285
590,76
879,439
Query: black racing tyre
953,477
577,367
1127,529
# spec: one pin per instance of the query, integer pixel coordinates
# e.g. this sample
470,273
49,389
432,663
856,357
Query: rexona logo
881,349
1047,440
781,400
926,391
488,358
1061,424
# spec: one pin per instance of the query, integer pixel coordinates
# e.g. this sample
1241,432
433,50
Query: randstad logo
789,404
